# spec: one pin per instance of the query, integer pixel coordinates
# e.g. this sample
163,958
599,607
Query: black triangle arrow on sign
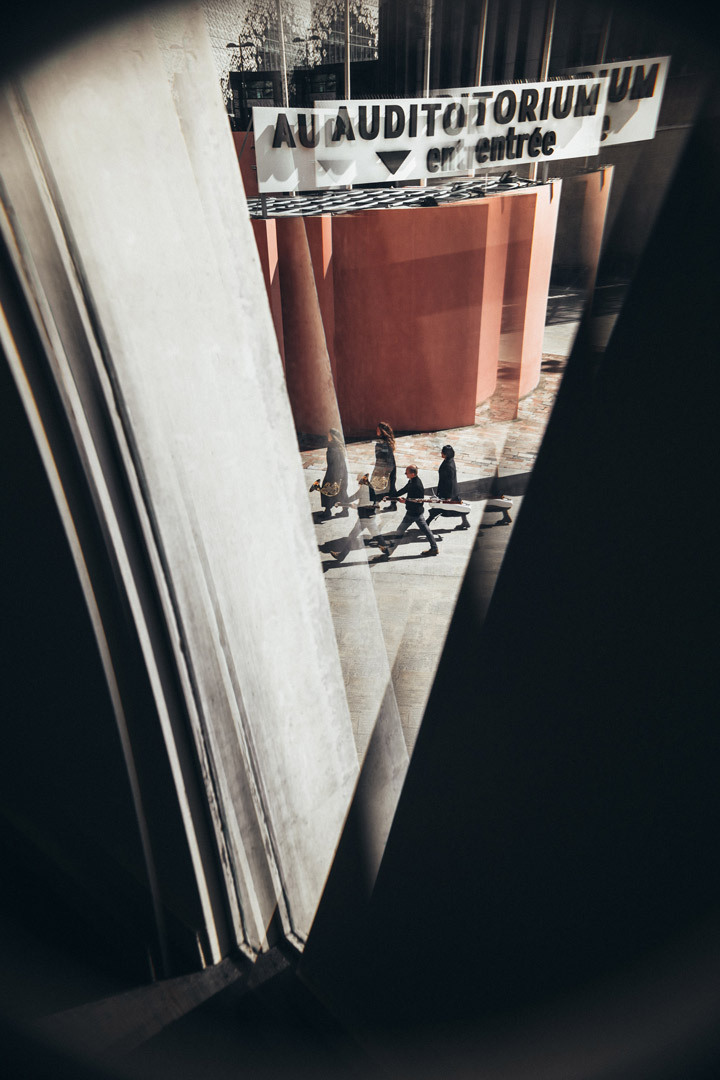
335,165
392,159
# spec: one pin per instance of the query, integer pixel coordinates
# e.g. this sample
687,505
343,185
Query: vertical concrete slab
581,225
520,237
538,282
307,363
245,148
319,234
496,255
189,341
531,238
363,656
266,240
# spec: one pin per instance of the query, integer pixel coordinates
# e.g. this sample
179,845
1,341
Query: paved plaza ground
408,601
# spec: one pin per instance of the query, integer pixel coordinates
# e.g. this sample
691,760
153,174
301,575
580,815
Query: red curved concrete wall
408,300
406,307
307,365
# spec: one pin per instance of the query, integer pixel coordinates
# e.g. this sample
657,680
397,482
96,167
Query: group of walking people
381,486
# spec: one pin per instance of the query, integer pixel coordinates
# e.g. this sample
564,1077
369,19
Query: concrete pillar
266,240
195,392
496,254
531,238
319,234
580,227
547,202
307,363
245,148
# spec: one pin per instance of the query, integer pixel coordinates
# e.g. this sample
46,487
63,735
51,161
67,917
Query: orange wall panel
408,301
403,308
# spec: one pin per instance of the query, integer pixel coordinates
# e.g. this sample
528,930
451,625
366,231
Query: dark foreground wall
554,849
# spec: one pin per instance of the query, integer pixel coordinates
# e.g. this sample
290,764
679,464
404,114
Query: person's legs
388,543
371,525
424,529
326,504
344,545
503,508
353,539
438,512
392,491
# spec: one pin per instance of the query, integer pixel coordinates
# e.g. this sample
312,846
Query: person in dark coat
447,489
333,487
414,515
385,471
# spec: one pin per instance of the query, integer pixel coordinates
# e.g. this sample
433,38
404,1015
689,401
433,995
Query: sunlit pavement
415,595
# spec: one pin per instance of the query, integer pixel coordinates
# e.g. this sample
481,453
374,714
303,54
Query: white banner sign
367,142
635,93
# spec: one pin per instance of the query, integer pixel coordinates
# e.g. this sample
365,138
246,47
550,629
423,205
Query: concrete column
245,148
531,239
307,363
538,282
319,235
496,254
198,392
266,240
580,227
